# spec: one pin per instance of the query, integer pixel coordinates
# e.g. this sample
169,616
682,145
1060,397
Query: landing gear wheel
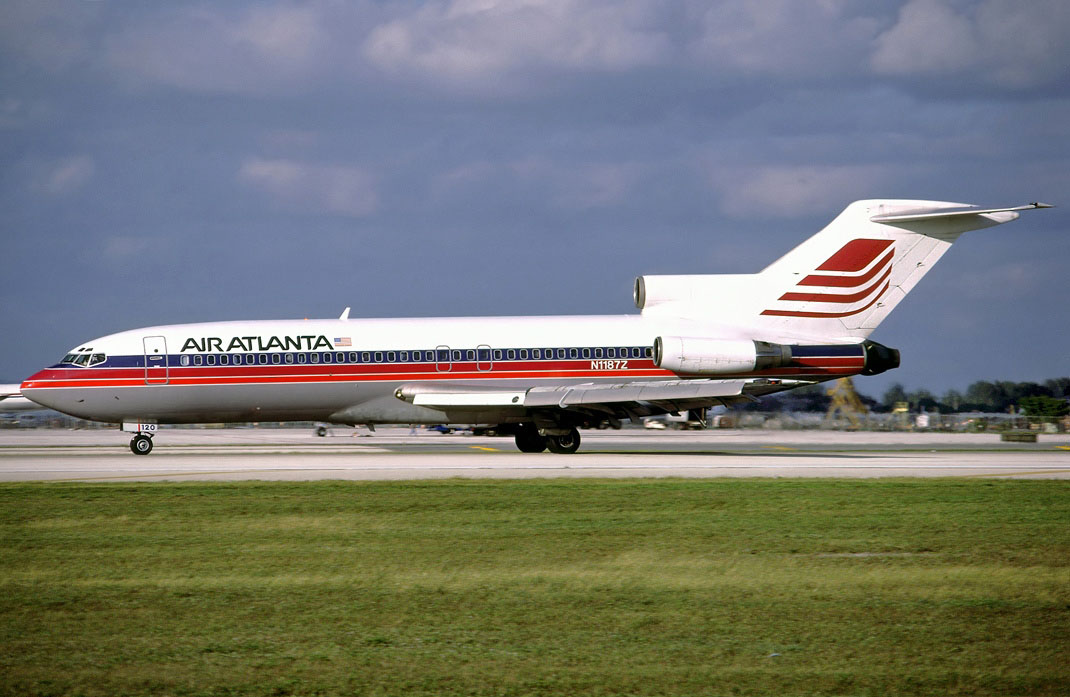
564,445
141,444
528,440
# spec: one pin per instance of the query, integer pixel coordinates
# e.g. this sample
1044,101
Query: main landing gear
141,444
528,440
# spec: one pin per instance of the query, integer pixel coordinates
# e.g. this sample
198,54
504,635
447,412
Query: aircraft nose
35,389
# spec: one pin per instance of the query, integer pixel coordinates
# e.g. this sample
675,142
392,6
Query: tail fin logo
850,272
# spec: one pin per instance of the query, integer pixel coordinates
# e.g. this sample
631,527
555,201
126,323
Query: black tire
528,440
321,431
141,444
566,444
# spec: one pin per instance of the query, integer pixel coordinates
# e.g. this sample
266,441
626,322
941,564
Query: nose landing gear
141,443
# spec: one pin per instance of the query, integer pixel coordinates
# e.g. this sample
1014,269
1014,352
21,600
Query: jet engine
700,356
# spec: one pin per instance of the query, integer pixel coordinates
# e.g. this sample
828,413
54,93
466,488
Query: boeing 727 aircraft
699,340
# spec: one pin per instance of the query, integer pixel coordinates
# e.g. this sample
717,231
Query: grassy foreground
634,587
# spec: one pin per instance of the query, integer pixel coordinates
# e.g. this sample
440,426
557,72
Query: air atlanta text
257,343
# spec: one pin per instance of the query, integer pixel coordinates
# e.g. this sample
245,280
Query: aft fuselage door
156,369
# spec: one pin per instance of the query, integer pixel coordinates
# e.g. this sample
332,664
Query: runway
392,453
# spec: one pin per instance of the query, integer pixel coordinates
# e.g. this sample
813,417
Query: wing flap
586,394
660,390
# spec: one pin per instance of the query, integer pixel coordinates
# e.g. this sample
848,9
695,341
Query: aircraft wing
11,399
624,398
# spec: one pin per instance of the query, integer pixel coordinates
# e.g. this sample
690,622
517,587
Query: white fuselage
348,371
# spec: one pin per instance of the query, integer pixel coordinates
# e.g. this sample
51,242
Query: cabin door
156,369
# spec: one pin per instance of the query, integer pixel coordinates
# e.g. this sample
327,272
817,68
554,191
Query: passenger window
611,352
198,359
498,354
403,356
289,359
314,357
326,358
637,352
302,358
352,356
391,357
276,358
224,359
598,352
210,359
456,355
647,352
523,354
586,353
262,358
366,357
511,354
536,354
378,356
183,360
470,355
339,357
573,353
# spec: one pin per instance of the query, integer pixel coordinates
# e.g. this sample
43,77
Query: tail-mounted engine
718,356
701,356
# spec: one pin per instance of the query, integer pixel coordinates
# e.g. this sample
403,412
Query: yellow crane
845,403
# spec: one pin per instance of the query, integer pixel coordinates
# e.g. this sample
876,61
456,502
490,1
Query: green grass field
562,587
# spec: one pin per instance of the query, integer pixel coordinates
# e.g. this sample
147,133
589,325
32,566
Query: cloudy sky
180,162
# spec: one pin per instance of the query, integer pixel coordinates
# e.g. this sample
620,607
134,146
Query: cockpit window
84,360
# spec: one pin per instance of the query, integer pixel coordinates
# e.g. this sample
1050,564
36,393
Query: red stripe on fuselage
215,375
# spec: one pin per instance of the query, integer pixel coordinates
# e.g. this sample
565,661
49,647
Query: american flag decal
851,272
342,341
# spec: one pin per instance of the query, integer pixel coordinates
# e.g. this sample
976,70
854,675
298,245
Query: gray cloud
344,190
1006,43
263,159
477,43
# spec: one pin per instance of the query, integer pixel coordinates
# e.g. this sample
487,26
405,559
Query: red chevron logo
854,257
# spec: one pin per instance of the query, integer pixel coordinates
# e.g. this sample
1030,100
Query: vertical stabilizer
840,284
843,281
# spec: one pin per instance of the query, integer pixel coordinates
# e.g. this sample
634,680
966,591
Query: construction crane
845,403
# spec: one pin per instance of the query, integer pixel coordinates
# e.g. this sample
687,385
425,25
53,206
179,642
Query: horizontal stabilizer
937,213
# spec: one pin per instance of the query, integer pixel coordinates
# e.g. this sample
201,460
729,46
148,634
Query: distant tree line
982,395
1043,399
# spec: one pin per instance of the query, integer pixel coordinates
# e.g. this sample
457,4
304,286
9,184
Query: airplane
11,399
698,341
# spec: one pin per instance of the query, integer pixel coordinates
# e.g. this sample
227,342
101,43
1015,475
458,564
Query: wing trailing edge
588,394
